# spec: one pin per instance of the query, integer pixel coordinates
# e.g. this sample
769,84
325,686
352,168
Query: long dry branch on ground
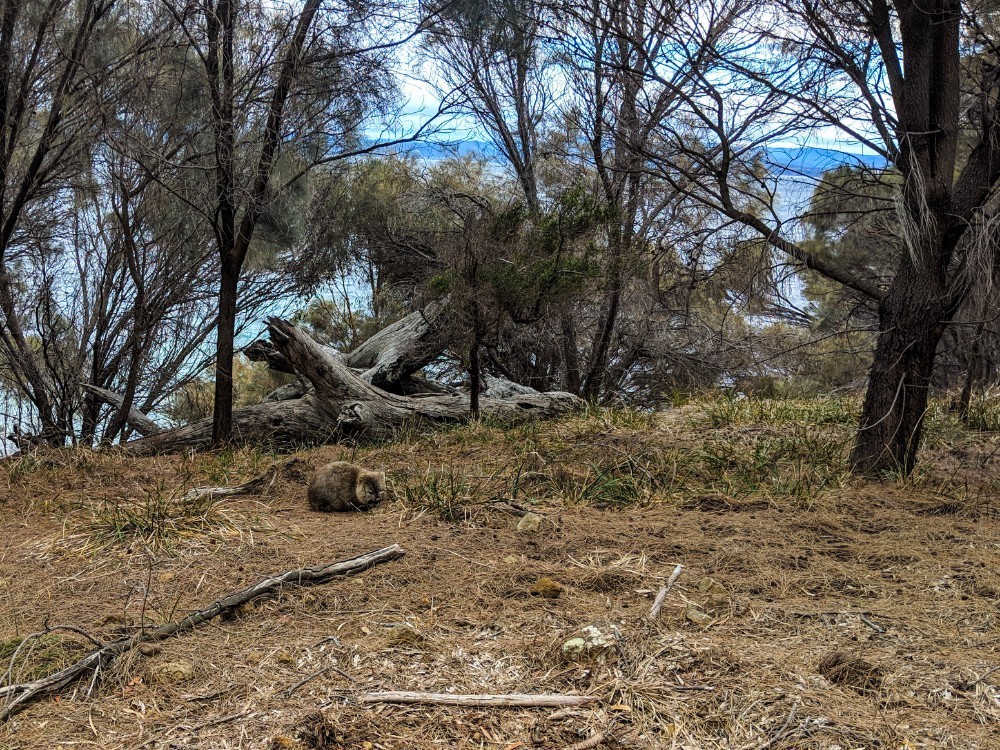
544,700
18,696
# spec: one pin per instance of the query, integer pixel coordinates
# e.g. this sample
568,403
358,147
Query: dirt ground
831,612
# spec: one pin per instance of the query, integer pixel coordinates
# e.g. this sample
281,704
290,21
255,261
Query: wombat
340,486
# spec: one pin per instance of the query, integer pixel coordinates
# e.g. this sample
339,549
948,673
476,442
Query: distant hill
434,151
797,168
806,162
813,162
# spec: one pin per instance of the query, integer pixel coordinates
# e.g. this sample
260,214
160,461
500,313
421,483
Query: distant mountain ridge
807,161
813,162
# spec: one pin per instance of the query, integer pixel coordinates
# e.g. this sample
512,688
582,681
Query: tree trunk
972,374
222,414
474,379
597,368
912,319
571,357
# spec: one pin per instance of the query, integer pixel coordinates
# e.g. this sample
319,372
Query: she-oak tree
896,77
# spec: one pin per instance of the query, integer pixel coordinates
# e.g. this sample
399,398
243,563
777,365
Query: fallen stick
308,678
263,482
661,595
448,699
18,696
596,741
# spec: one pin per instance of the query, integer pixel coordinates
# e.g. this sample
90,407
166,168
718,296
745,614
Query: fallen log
18,696
136,419
544,700
398,351
387,360
342,405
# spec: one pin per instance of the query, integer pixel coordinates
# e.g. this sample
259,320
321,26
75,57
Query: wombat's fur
340,486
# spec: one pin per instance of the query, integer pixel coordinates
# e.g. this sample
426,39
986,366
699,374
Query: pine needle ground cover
814,610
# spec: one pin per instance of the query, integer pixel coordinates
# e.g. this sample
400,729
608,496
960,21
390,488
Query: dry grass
853,614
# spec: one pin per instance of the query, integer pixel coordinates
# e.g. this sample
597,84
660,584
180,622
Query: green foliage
342,328
734,411
853,223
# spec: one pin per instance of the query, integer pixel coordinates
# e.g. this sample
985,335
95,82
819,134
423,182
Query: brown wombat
340,486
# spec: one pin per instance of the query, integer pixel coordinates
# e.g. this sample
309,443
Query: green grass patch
33,658
732,412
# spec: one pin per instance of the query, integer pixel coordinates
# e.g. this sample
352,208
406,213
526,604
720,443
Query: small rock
698,617
594,641
149,649
172,671
404,634
712,587
530,522
546,588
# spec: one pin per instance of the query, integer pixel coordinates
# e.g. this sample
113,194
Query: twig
661,596
873,625
515,509
217,722
563,713
784,729
304,680
20,695
596,741
448,699
264,481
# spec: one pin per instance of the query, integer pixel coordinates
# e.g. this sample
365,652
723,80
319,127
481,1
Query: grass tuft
159,518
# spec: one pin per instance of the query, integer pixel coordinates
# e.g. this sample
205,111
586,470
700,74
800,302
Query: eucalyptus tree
559,90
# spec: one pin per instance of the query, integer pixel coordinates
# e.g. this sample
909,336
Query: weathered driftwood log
136,419
18,696
386,360
258,485
398,351
287,392
343,405
495,387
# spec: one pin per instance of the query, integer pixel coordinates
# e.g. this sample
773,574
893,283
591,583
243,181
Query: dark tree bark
922,298
222,415
973,369
912,319
234,238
